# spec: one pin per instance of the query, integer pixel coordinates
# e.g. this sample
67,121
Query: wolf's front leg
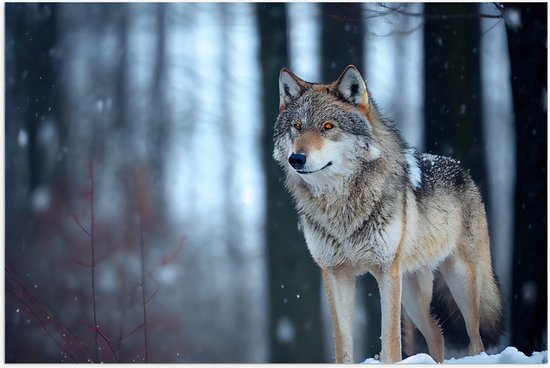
340,290
389,283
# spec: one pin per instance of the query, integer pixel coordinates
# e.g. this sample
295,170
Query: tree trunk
453,87
527,43
341,38
342,32
159,122
33,27
452,101
295,322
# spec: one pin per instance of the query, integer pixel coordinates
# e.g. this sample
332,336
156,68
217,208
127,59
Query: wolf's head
325,132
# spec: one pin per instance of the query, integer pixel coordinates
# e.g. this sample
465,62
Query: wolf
369,203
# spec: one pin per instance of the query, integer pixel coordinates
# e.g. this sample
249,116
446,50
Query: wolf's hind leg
462,278
416,299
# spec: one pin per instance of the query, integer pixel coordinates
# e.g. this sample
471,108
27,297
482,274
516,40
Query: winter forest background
138,142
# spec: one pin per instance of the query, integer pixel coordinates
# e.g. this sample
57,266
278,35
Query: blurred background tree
527,41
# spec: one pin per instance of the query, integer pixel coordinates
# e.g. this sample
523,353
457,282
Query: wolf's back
441,173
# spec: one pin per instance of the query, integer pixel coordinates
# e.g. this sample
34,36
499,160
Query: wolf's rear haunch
367,202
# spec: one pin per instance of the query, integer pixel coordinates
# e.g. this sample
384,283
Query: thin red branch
143,273
444,16
75,217
108,341
152,295
81,263
52,327
133,332
92,241
157,285
386,10
171,258
105,337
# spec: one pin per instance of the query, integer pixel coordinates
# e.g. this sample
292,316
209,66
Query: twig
92,246
444,16
123,307
53,328
493,26
388,10
131,333
81,263
152,295
75,217
143,273
170,258
401,33
107,340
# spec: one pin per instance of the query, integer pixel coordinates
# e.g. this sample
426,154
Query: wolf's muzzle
297,161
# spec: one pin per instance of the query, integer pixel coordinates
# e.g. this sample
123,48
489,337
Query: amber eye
298,125
327,126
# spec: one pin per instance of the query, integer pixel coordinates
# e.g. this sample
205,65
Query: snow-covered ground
510,355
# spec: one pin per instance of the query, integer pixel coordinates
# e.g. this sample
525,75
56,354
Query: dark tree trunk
121,121
341,38
159,120
295,320
35,81
527,44
31,103
453,87
452,102
342,32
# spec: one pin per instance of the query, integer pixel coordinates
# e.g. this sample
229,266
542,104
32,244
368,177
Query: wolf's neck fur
362,198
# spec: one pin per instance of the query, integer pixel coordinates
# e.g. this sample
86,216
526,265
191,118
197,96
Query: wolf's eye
327,126
298,125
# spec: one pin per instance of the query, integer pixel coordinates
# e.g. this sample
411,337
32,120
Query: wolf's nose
297,160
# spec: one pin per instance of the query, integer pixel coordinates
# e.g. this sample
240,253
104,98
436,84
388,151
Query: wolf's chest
337,235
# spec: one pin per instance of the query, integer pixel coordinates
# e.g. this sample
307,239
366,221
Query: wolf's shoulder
428,172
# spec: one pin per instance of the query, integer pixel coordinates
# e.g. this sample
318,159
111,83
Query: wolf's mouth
310,172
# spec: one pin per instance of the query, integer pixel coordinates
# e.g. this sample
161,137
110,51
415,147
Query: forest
145,217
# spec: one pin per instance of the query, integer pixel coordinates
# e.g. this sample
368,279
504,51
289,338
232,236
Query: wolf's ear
352,87
290,87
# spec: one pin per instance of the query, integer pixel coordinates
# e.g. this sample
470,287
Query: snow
285,330
22,138
40,199
510,355
414,171
512,18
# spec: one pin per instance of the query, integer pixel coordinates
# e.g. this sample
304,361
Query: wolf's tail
451,321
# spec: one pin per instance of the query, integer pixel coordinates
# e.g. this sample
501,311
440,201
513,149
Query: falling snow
22,138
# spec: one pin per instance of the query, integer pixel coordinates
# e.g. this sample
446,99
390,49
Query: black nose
297,160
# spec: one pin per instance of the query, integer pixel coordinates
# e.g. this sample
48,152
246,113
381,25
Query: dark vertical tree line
527,43
452,102
293,277
33,84
34,130
342,34
159,120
